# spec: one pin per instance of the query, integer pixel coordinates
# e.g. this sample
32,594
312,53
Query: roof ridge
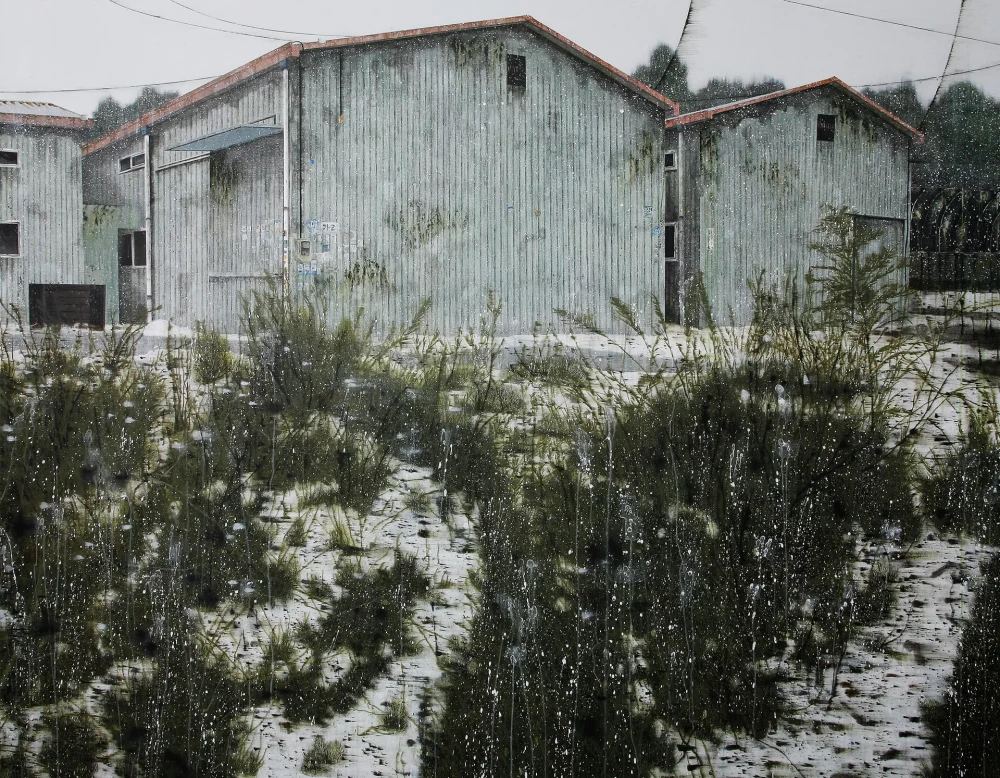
710,113
293,51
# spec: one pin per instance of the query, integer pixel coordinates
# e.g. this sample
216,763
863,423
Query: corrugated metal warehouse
42,267
450,162
751,179
440,163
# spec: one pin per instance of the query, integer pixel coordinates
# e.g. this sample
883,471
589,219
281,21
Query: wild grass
649,552
321,755
653,550
131,505
965,724
962,489
213,360
395,717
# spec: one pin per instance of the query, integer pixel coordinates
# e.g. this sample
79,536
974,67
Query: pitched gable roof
710,113
294,50
41,115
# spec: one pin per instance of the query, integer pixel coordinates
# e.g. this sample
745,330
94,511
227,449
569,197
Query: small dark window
517,71
8,158
10,239
670,161
825,124
131,248
670,241
125,249
134,162
139,248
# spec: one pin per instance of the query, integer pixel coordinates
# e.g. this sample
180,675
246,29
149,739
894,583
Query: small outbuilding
747,183
43,272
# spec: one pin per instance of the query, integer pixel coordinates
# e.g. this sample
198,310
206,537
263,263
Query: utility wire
696,100
200,26
947,64
720,97
254,26
101,88
673,55
890,21
930,78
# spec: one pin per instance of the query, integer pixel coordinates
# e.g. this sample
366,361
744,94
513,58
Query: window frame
20,245
521,68
672,165
132,165
826,123
17,158
130,236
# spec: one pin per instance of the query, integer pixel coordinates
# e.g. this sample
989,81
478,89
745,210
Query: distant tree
723,90
961,129
111,114
901,100
666,73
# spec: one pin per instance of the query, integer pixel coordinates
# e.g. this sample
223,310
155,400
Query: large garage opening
66,304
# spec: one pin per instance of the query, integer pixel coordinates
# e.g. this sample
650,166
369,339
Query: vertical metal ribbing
285,193
147,149
681,227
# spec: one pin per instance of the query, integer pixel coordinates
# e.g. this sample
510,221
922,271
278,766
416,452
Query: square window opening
131,248
10,239
517,71
826,127
670,160
8,158
670,241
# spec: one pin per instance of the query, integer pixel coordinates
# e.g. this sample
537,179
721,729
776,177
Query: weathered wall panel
103,184
44,194
193,242
207,230
452,184
113,201
245,221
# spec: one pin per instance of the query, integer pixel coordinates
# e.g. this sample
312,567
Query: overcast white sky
69,44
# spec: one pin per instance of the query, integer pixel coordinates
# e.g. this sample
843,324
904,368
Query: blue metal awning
234,136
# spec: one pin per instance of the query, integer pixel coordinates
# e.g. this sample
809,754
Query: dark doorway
132,276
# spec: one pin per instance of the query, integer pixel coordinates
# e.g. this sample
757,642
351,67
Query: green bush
322,755
73,746
962,492
213,360
395,717
965,726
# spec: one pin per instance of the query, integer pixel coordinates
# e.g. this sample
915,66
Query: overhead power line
673,54
199,26
890,21
102,88
254,26
947,64
929,78
209,78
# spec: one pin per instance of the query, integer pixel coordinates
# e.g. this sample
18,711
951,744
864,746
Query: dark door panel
66,304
